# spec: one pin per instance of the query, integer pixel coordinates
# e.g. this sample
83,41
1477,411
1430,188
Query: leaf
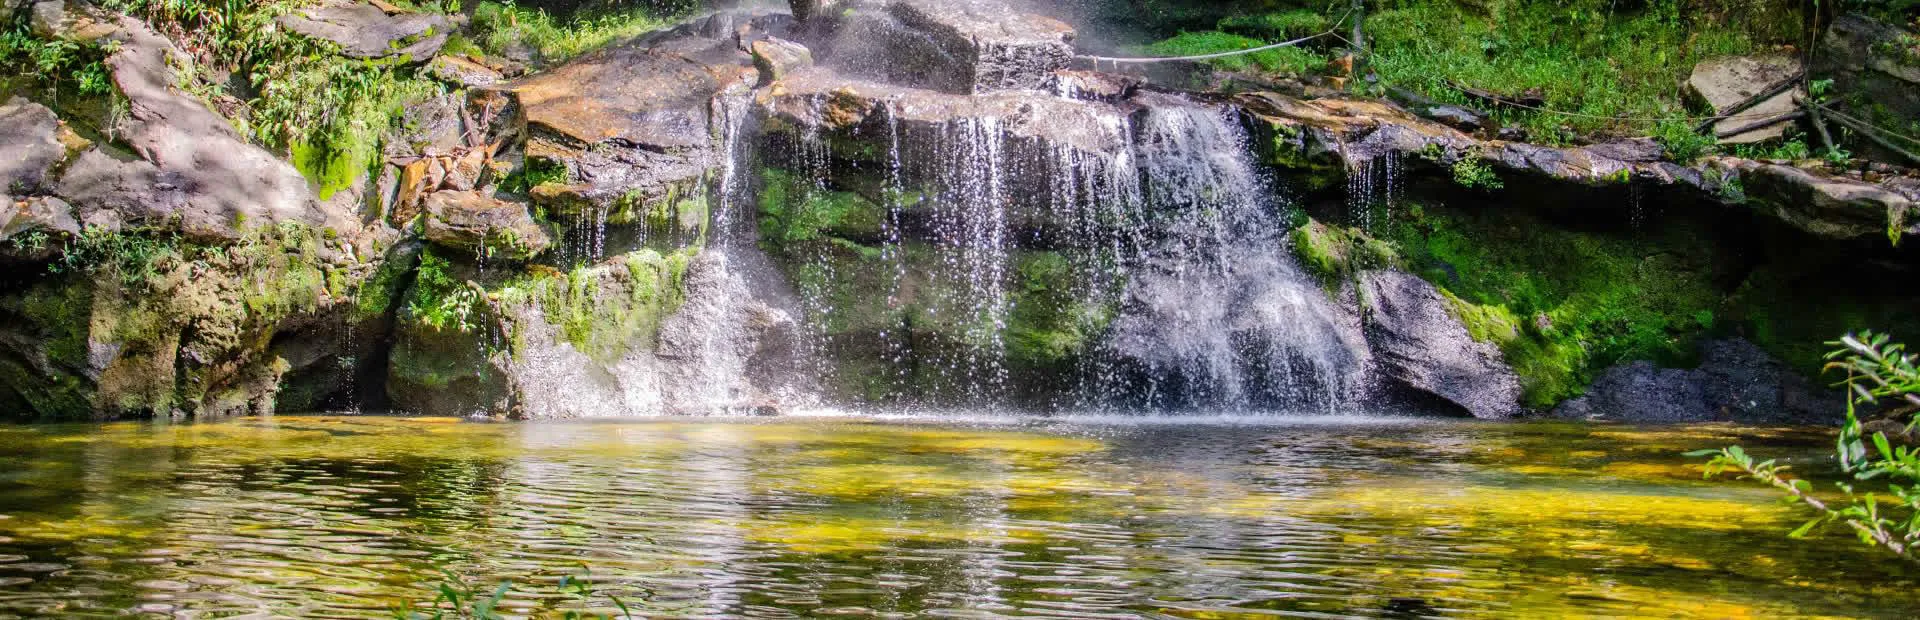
1700,453
1801,532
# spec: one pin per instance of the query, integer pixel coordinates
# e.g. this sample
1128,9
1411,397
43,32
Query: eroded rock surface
1418,342
1725,82
484,226
956,46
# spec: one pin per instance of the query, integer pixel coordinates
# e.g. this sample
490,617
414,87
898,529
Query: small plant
1681,143
31,242
441,302
459,600
1475,173
1876,369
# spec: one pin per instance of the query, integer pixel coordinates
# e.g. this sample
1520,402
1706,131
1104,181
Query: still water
351,517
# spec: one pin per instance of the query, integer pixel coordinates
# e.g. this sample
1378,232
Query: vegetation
439,300
1291,60
1876,369
1563,303
79,68
507,29
456,598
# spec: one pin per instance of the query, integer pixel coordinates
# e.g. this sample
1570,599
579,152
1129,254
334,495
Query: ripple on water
345,517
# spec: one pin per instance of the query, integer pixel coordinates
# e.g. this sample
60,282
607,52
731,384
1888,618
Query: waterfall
1217,315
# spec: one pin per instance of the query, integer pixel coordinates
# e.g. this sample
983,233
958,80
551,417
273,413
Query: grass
499,27
1600,60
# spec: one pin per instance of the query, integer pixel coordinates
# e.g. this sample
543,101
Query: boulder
481,225
190,170
33,229
804,10
1831,207
1735,382
776,58
363,30
1419,343
1721,83
956,46
630,124
30,147
463,72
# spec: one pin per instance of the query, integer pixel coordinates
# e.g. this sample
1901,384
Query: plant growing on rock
1877,369
1474,173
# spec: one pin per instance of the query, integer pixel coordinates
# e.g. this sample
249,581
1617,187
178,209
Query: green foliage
440,301
455,598
501,26
60,64
604,314
1562,303
1475,173
1281,60
537,171
1681,143
1279,26
1599,60
135,258
1792,148
794,212
1333,254
1876,369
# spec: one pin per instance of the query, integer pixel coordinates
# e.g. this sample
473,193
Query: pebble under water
862,517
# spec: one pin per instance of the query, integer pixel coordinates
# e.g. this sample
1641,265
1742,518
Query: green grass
1600,60
1282,60
501,26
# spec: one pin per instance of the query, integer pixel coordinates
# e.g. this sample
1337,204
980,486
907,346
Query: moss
1563,304
1049,327
1333,254
795,213
605,311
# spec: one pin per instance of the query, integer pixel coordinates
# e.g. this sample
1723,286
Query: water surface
1109,518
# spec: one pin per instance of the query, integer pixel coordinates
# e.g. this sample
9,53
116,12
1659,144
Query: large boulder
363,30
190,170
631,125
1722,83
956,46
1735,382
1419,343
30,147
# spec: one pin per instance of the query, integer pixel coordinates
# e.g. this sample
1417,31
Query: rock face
1725,82
639,335
1736,382
482,225
630,124
1874,59
1417,342
30,146
955,46
363,30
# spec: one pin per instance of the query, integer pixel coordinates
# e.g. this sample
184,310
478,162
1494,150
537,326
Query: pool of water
1108,518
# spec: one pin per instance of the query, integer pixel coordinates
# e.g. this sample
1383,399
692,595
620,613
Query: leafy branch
1877,369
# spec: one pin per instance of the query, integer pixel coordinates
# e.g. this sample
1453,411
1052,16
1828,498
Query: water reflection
346,517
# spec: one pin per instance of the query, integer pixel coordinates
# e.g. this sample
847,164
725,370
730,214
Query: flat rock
30,146
956,46
481,225
776,58
632,124
1418,342
1724,82
1837,208
365,31
463,72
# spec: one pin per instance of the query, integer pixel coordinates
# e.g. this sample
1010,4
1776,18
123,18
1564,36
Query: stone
804,10
1735,382
479,224
33,230
1831,207
30,147
631,124
776,58
365,31
463,72
190,171
1724,82
54,19
956,46
1419,343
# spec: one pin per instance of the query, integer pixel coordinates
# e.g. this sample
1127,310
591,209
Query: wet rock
1419,343
1736,381
366,31
804,10
777,58
956,46
479,224
1724,82
190,170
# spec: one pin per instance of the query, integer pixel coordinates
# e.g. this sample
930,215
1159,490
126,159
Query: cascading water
1216,314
